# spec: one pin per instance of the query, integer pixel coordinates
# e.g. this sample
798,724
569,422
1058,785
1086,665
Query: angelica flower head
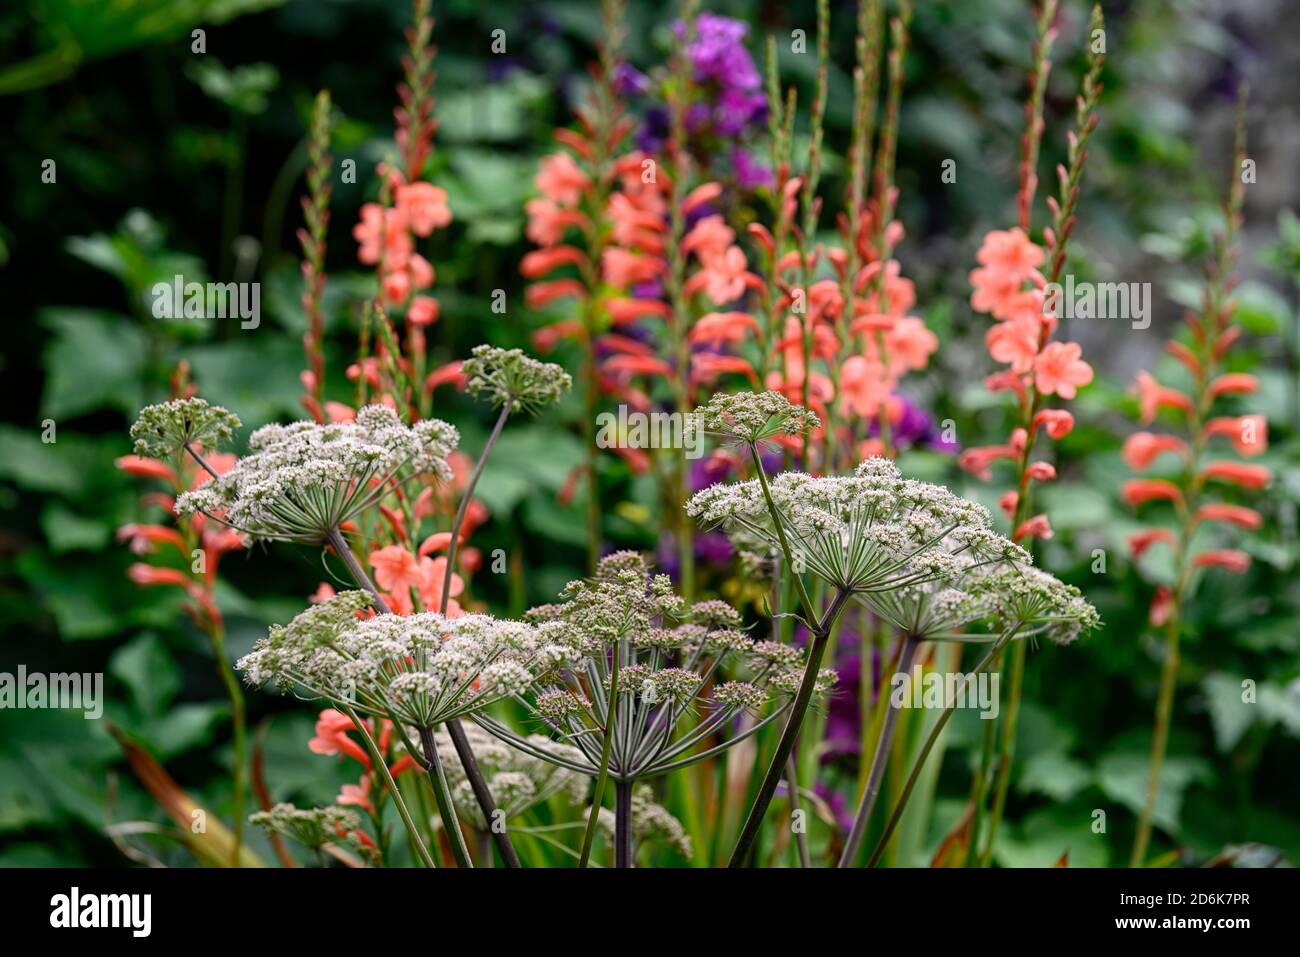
518,780
870,531
656,660
1035,600
753,417
420,669
310,827
161,431
512,378
300,482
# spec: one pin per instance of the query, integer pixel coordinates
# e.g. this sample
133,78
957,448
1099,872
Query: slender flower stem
793,722
1006,750
239,725
792,785
926,748
623,824
607,748
911,644
442,795
1159,740
377,760
477,782
461,511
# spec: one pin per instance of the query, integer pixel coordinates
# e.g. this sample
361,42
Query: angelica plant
657,681
317,828
869,533
416,670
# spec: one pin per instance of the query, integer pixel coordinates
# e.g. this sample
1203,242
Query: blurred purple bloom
749,174
718,52
629,81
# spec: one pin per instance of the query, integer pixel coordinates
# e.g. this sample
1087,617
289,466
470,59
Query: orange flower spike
1238,515
1230,559
1253,477
1140,491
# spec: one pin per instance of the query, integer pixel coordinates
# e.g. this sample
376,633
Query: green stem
793,722
926,748
1006,749
377,760
1159,740
606,750
238,721
442,795
911,644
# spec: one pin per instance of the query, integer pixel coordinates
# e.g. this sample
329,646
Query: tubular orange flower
1252,477
1141,449
1060,369
1233,382
1036,527
1239,515
1139,542
1152,397
1230,559
145,468
1249,433
1141,491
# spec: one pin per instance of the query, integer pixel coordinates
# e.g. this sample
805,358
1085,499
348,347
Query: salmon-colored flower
708,238
1230,559
1239,515
1008,501
424,206
145,468
909,345
1139,542
423,311
1152,396
1233,382
1036,527
725,275
1041,471
1015,342
1249,433
1141,449
864,385
395,568
1060,369
717,328
356,794
622,268
1162,606
332,727
1140,491
1010,251
540,294
977,460
1058,422
547,222
1253,477
382,234
147,575
144,537
560,179
432,572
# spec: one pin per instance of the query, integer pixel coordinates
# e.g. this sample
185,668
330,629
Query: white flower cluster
299,482
310,827
510,377
161,431
872,531
651,822
518,781
672,659
752,417
420,669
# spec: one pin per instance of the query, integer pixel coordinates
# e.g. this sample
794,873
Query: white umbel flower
300,482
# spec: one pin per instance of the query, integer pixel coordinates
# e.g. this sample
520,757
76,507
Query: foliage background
161,155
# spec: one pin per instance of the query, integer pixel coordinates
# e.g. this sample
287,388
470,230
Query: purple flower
749,174
629,81
718,52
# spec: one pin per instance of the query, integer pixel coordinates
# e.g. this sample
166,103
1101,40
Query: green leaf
95,360
148,670
525,458
66,531
1054,774
1123,778
1229,714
